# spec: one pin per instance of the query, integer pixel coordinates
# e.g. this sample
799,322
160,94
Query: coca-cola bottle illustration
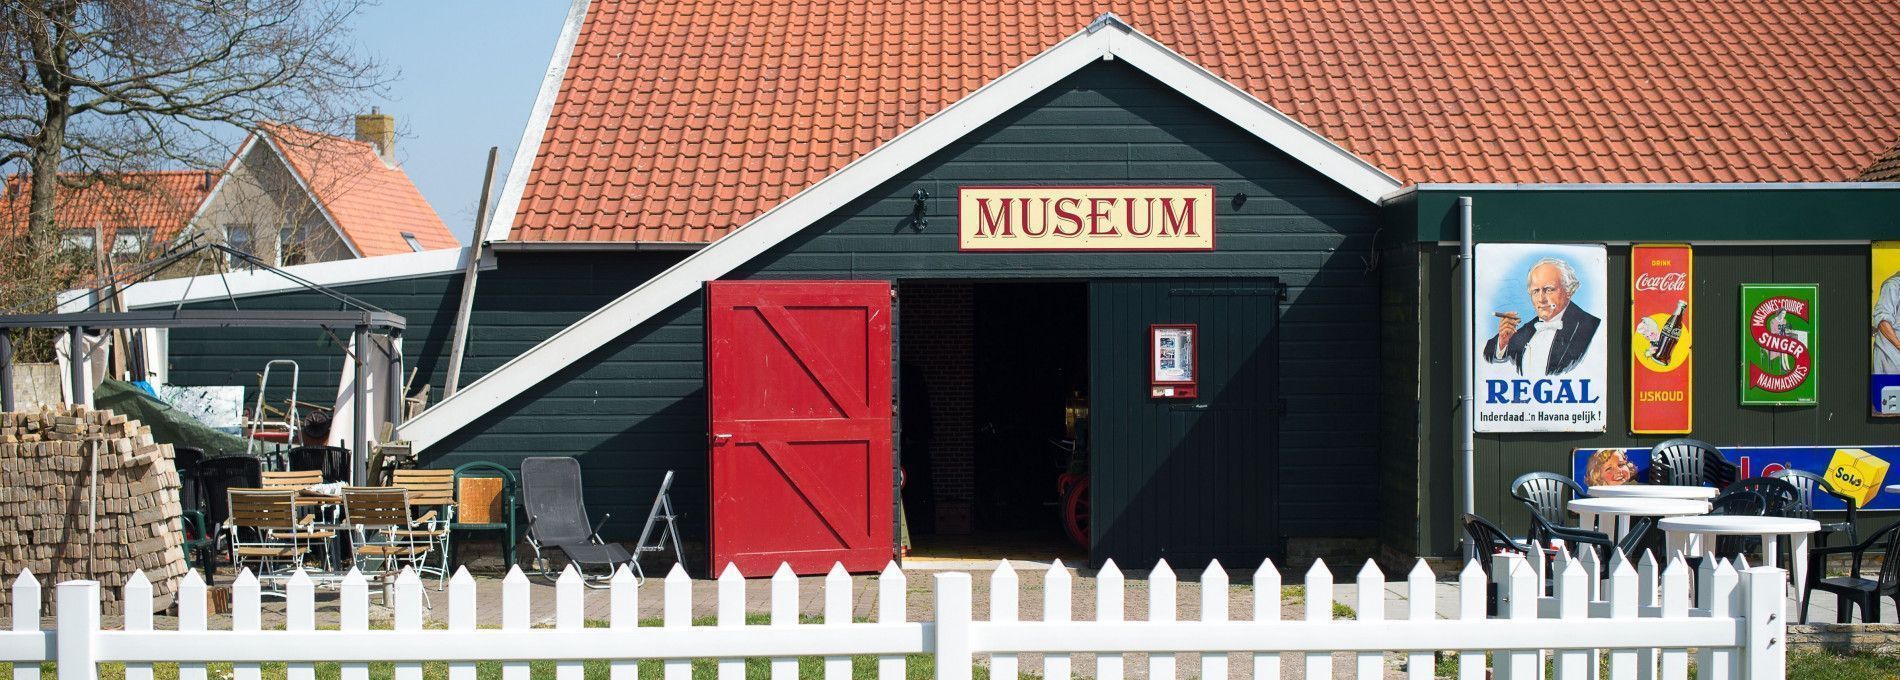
1664,347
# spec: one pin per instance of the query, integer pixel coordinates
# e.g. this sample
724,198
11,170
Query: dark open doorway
994,383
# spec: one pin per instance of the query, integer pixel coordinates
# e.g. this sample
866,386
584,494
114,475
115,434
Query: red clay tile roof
372,203
162,201
1884,169
679,121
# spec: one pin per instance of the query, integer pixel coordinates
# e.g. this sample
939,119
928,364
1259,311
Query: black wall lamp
918,201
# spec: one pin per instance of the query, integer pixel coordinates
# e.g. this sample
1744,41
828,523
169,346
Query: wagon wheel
1075,512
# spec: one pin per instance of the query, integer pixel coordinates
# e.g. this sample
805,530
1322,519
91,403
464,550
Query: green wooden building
1324,307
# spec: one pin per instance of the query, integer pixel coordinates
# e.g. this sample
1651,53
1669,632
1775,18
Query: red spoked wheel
1075,512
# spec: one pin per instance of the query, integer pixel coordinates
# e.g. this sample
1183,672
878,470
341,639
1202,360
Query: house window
414,244
129,241
239,238
77,239
289,251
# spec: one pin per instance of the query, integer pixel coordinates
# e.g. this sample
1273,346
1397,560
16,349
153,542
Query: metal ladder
259,422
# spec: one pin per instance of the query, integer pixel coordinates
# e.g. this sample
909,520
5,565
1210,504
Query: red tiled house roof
679,121
162,201
1885,169
371,203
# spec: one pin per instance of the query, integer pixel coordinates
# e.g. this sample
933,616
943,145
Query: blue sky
469,74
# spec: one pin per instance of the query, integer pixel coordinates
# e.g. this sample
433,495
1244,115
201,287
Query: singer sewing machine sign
1107,217
1542,355
1662,286
1779,338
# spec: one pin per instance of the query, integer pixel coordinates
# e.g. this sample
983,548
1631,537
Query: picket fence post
192,612
891,592
1623,597
1371,605
1421,593
1161,591
731,611
462,620
354,604
247,603
514,616
623,615
1319,610
837,613
26,616
676,612
784,613
1003,609
1716,590
1056,607
137,598
1518,590
1109,607
78,625
1213,610
1765,656
1471,607
1266,608
954,659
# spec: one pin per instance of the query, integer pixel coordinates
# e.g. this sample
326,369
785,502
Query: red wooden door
799,379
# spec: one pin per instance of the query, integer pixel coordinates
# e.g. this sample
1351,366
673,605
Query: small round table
1694,534
1590,511
1654,491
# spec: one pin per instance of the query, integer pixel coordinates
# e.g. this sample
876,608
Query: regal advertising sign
1085,218
1545,363
1885,381
1778,344
1662,286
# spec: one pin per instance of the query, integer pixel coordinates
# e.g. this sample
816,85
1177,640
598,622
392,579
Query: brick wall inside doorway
936,341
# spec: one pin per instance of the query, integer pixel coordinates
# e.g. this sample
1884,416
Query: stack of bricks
47,469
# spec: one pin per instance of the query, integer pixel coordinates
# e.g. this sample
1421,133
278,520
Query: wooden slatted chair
434,492
265,532
385,536
293,481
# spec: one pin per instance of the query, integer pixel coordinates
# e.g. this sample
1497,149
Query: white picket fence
1641,626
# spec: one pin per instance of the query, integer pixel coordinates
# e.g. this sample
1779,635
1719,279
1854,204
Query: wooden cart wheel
1075,512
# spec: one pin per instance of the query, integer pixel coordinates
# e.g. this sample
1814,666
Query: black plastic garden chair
1543,532
1690,462
1547,494
1852,589
557,520
1491,540
1808,484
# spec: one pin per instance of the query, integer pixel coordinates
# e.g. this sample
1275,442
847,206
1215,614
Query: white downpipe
1469,347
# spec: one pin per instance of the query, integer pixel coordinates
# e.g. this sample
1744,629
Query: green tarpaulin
169,425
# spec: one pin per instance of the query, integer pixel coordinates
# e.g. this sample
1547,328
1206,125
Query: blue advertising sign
1615,467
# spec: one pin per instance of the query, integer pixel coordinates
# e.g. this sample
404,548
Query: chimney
379,129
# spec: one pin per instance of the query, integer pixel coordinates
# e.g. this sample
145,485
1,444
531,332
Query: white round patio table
1695,534
1591,512
1654,491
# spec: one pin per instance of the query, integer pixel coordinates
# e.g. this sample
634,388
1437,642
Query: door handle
721,438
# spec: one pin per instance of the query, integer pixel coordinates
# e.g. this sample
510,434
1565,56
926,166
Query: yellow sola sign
1096,217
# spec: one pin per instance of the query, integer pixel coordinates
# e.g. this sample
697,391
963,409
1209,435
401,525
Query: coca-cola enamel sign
1661,338
1543,354
1779,361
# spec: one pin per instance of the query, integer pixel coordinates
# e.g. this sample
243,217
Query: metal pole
1470,348
359,403
393,382
6,370
470,272
75,368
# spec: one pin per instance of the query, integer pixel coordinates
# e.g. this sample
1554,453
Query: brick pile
47,460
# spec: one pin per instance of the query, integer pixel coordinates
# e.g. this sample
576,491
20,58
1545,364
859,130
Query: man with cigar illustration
1555,341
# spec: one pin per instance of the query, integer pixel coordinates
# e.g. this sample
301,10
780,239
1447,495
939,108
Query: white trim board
167,292
530,144
1106,38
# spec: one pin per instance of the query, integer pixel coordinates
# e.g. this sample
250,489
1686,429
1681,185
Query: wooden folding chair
434,491
266,532
385,537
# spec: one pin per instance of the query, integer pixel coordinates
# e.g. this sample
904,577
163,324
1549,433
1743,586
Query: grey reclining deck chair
557,520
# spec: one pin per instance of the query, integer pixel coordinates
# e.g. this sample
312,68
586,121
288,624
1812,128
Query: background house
291,196
132,211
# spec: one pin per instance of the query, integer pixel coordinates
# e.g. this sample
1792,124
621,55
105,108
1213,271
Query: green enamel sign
1778,344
